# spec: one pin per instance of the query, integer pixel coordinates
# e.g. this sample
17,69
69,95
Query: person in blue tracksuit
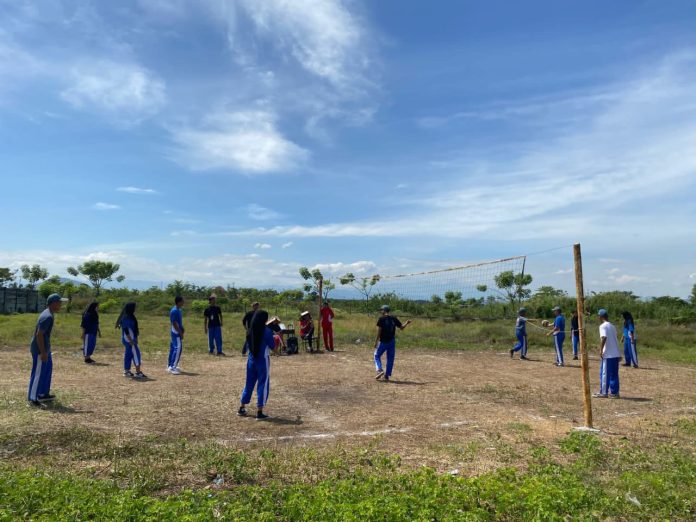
128,324
260,344
42,360
386,341
90,330
521,334
609,352
176,321
629,340
575,333
212,325
558,333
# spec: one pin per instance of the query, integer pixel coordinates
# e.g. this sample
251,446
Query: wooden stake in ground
321,302
584,360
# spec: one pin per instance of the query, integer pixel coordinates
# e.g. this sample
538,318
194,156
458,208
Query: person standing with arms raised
386,341
258,370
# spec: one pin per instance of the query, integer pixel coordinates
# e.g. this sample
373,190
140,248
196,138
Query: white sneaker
178,368
175,371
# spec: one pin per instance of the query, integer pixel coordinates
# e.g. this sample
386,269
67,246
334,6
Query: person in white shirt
611,356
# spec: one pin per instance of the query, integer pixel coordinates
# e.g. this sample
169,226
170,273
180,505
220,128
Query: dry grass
470,410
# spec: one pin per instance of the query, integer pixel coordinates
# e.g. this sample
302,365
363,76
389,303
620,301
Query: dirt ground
436,399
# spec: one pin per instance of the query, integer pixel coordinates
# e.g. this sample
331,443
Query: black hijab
628,319
256,331
90,314
128,311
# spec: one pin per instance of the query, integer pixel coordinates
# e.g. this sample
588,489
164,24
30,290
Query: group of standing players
608,349
264,336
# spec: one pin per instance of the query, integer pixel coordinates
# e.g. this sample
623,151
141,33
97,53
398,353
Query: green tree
514,285
97,272
550,291
364,285
177,287
312,279
482,288
33,274
692,297
6,276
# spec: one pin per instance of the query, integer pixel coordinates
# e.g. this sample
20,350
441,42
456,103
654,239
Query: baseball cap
556,309
603,313
54,298
385,308
521,310
304,313
212,296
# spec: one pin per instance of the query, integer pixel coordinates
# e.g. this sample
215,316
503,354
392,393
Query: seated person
277,328
307,328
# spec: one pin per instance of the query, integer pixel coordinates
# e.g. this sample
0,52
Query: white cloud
137,190
260,213
124,91
100,205
340,268
245,141
692,276
644,139
262,246
286,245
323,36
563,271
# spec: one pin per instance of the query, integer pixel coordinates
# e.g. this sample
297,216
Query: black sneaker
222,354
386,379
46,398
128,373
379,375
614,396
261,416
211,353
524,357
89,360
37,404
242,412
512,353
575,358
140,375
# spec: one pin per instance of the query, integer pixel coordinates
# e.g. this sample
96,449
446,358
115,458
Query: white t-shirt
611,347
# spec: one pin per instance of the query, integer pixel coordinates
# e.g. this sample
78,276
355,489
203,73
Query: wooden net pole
584,360
321,302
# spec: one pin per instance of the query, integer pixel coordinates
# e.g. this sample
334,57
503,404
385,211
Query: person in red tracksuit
327,315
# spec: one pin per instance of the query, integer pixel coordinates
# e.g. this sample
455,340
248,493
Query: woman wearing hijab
629,340
90,330
128,324
258,370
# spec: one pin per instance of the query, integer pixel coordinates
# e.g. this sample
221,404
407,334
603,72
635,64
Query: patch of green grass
595,483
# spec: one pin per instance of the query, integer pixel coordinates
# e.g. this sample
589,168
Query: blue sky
232,141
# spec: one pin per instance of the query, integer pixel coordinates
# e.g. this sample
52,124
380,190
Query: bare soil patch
438,404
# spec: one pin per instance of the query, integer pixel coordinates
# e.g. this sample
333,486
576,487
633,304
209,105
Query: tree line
513,289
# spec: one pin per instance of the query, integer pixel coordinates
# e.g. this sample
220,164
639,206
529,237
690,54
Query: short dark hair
178,299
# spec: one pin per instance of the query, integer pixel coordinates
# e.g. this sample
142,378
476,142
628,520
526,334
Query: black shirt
214,316
246,320
574,326
275,327
388,323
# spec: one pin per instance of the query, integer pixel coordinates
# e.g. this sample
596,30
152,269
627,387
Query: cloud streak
246,142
